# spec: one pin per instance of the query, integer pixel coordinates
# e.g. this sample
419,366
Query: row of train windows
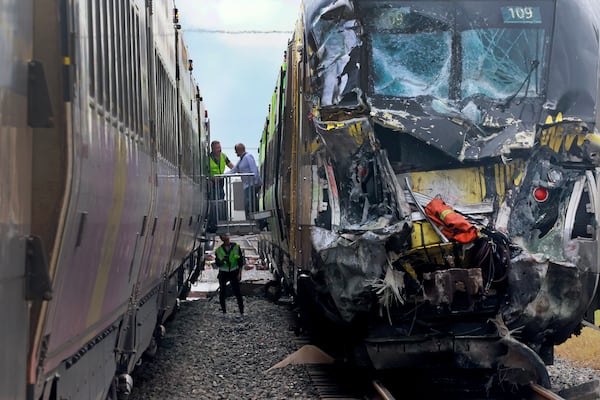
166,124
114,60
116,82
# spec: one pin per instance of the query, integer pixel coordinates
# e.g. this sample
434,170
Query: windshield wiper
526,81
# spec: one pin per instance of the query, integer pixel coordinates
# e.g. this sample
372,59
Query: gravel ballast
210,355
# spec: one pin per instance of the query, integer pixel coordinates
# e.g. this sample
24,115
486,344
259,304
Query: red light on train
540,194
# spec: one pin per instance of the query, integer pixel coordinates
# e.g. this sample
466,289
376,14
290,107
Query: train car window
159,106
417,72
138,79
125,62
105,58
130,68
99,58
113,45
91,58
173,126
511,57
134,71
423,38
183,138
121,61
165,115
186,129
163,101
456,50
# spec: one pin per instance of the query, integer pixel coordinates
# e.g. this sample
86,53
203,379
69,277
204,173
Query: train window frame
120,26
138,79
99,50
105,59
462,16
91,55
112,41
126,62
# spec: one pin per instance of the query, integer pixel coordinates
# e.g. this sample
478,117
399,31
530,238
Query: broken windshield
403,69
496,61
430,50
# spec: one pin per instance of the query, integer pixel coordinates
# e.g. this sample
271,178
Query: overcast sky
237,72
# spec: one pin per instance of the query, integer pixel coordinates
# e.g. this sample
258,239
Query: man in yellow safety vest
230,259
217,162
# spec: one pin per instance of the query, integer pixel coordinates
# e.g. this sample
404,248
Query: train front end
463,228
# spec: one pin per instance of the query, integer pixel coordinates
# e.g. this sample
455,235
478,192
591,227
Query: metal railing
233,204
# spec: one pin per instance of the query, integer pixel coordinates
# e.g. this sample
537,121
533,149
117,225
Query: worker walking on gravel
229,258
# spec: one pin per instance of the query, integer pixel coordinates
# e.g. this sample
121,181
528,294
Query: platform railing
232,209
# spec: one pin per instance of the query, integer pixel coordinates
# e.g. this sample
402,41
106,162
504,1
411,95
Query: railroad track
586,391
334,382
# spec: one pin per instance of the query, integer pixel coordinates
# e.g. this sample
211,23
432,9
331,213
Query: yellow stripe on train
556,138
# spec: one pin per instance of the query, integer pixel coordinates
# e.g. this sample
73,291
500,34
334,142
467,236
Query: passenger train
103,197
431,172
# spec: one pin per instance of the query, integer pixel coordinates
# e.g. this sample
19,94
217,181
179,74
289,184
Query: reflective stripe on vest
230,264
216,169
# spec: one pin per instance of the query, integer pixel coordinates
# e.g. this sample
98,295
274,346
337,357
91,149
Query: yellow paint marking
555,138
559,117
497,179
314,145
355,131
518,179
569,141
110,233
462,186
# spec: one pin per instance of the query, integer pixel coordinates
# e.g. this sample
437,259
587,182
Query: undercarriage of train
481,263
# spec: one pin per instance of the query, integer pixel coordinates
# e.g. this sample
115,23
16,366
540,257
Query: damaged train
431,172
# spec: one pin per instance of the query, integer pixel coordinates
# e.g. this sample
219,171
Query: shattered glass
402,68
336,40
497,61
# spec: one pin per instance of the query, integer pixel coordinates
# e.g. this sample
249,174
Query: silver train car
103,135
431,169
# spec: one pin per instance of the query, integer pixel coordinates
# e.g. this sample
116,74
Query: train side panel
109,192
16,24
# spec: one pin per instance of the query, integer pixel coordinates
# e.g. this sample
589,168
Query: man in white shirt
251,184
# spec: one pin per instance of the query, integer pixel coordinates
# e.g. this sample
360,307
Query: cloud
240,14
237,72
217,17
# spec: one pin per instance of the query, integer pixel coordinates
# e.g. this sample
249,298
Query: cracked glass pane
498,62
427,51
408,65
